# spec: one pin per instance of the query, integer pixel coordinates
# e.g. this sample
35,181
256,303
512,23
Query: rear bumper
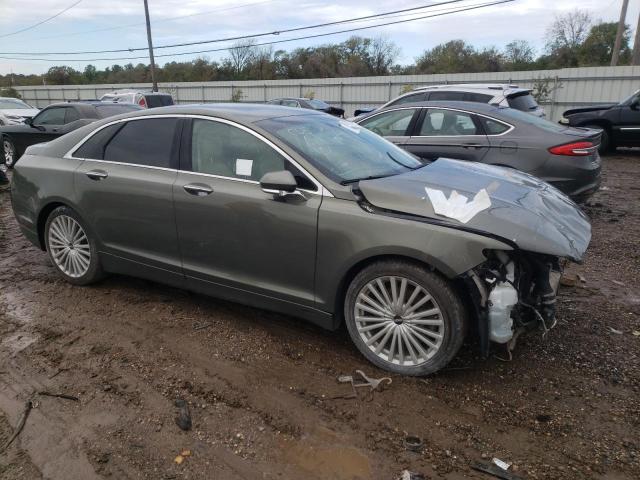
576,177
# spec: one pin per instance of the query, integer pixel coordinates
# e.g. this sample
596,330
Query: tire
71,247
8,152
605,140
449,322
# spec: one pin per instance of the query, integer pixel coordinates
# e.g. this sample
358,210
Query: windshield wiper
402,164
355,180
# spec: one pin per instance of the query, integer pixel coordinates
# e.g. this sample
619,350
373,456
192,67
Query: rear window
523,102
532,120
318,104
154,101
110,110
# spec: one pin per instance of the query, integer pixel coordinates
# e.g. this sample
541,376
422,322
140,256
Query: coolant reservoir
502,299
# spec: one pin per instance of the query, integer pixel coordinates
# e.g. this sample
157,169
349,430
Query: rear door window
494,127
147,142
416,97
446,96
477,97
390,124
447,123
71,115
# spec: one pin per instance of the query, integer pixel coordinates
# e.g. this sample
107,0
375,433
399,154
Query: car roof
474,107
241,112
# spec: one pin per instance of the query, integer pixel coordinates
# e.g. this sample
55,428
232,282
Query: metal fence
566,88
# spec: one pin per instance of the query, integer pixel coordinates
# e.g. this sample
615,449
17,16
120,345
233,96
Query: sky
119,24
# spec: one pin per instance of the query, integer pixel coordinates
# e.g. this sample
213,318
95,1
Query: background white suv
144,99
494,94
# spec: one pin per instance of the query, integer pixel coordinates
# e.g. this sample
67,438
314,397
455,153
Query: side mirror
29,121
281,183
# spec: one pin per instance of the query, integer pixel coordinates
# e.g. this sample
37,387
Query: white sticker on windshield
351,126
457,206
244,167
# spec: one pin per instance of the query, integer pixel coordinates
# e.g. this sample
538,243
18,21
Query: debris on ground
407,475
494,470
616,331
23,419
59,395
501,463
372,383
183,420
182,456
413,443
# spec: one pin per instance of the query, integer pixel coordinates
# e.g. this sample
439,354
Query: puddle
330,462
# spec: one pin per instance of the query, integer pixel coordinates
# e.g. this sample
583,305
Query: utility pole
616,46
153,65
635,58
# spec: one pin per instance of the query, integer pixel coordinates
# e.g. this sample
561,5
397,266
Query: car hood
501,202
590,108
20,112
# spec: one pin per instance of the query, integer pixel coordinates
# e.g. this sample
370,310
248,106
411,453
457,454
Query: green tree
597,47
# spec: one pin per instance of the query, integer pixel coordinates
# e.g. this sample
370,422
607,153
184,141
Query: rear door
234,237
394,125
124,189
447,133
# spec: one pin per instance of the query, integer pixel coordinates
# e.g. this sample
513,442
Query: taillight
580,149
142,102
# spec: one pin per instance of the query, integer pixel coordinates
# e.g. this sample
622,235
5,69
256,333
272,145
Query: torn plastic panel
513,292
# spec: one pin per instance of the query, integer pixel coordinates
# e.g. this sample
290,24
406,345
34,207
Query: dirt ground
260,386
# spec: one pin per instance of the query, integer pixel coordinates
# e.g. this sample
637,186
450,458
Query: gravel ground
261,386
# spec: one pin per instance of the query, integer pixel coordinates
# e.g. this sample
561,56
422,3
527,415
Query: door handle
97,174
472,145
198,189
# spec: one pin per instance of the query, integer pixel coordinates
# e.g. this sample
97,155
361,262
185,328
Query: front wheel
404,318
9,152
71,249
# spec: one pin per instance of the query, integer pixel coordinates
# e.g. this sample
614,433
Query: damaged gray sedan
309,215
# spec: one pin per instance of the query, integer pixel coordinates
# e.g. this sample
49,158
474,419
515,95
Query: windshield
630,98
8,104
343,151
531,120
318,104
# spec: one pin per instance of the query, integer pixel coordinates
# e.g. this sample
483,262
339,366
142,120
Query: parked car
52,122
14,111
303,213
310,103
619,122
565,157
142,98
493,94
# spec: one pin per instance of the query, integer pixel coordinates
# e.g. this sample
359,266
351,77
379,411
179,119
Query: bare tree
241,54
383,54
519,53
568,31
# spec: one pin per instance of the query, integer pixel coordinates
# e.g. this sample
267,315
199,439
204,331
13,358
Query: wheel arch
355,268
43,215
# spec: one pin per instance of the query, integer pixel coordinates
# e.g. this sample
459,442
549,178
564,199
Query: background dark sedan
619,122
53,122
309,103
563,156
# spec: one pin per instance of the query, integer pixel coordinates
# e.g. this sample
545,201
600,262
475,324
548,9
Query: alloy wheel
9,152
399,321
69,246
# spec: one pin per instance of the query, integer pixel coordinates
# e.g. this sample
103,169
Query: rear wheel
404,318
9,152
71,249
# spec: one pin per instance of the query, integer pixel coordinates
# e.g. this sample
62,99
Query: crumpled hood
20,112
510,204
589,108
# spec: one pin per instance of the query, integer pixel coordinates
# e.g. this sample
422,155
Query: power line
41,22
155,22
242,37
459,10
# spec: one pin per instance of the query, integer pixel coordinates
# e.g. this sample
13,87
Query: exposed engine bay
514,292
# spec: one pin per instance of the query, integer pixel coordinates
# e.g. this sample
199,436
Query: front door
628,133
236,239
448,134
124,190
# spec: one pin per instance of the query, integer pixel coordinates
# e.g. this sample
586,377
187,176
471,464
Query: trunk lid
503,202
